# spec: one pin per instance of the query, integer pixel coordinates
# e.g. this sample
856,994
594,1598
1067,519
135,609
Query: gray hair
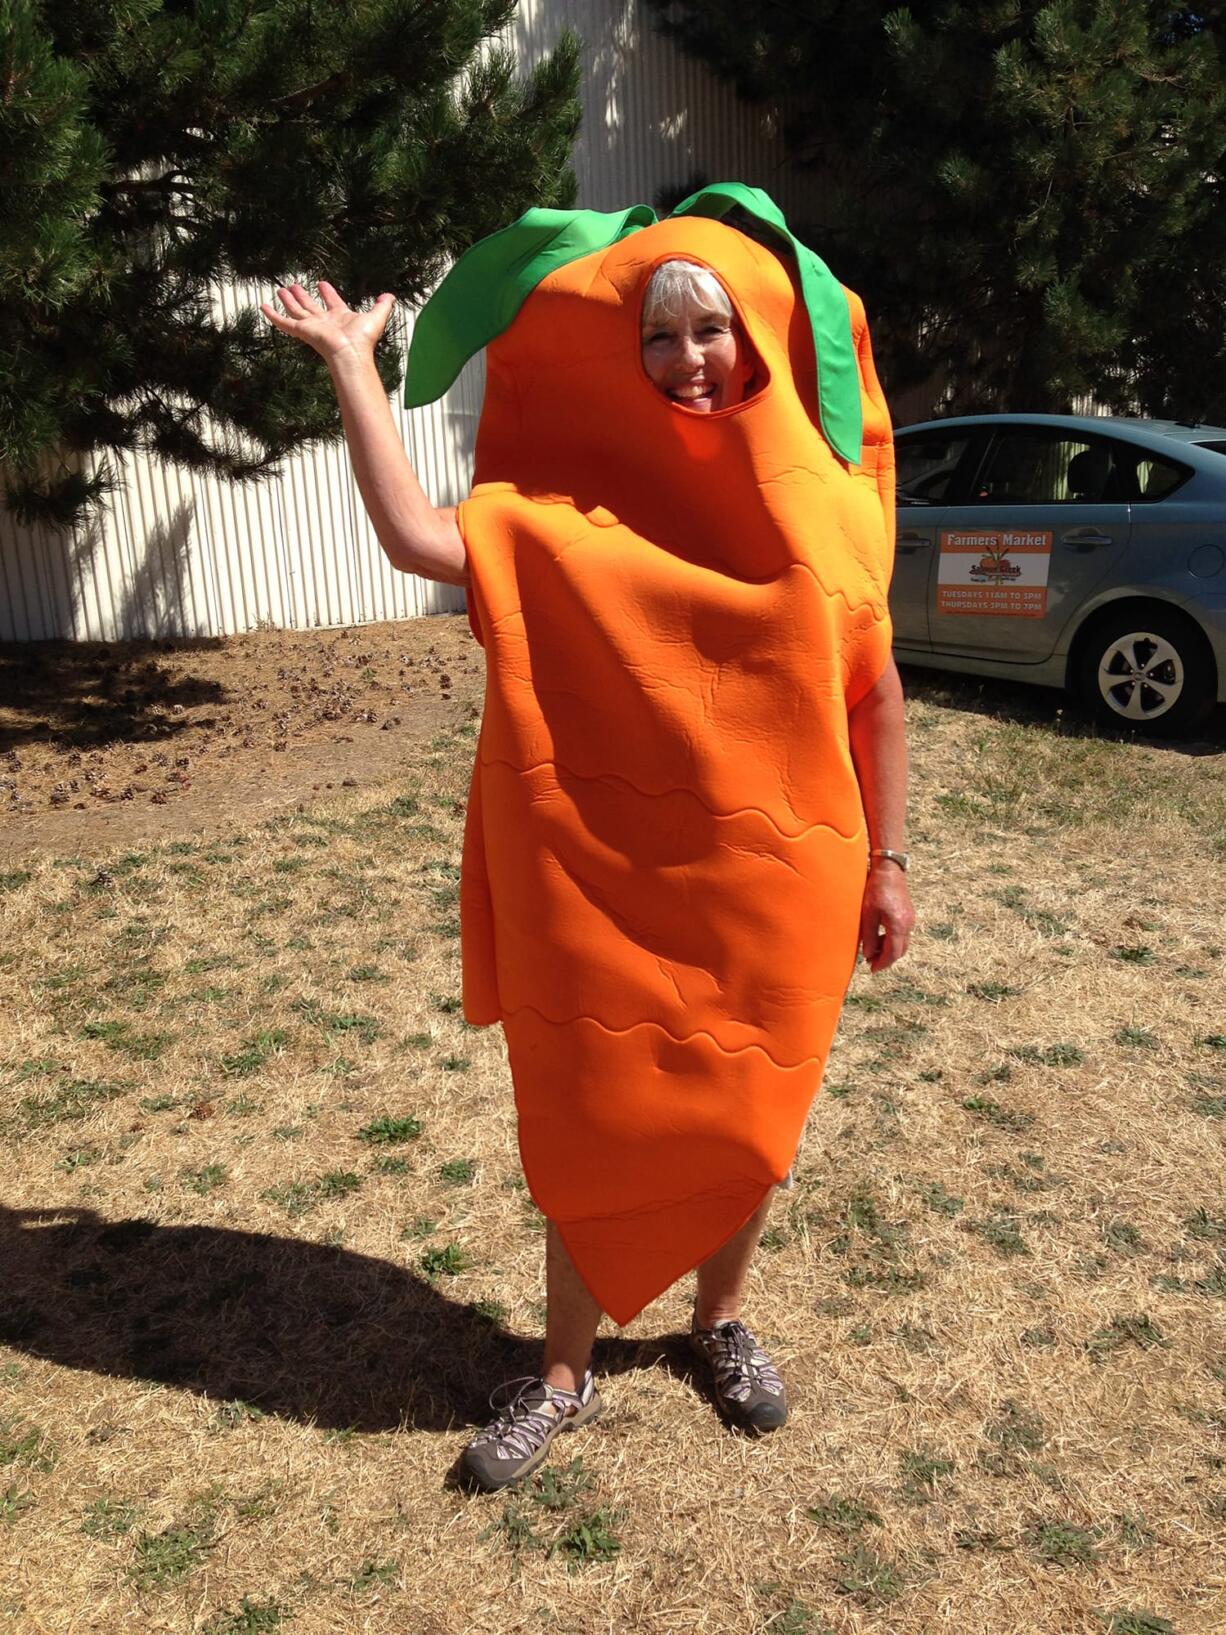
677,284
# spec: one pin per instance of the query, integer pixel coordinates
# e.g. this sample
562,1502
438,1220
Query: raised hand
331,329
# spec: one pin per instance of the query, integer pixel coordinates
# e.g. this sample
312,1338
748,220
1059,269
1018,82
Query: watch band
903,859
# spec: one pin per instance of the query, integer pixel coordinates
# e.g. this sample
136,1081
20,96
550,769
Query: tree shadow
1045,708
81,694
305,1331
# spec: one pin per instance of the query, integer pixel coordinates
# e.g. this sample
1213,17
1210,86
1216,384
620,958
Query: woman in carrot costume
686,812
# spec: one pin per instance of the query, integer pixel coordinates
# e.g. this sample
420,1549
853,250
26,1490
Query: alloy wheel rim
1140,676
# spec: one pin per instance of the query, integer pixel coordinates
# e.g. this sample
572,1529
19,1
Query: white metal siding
177,554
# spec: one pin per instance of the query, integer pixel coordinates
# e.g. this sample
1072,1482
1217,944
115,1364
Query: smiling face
693,350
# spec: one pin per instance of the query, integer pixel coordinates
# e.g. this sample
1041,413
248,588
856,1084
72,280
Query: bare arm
879,751
416,536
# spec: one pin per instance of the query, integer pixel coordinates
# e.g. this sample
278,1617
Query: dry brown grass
227,1405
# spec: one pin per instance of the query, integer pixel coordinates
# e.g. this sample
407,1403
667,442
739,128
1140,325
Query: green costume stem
482,293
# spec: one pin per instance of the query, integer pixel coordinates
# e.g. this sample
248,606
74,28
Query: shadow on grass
81,694
1045,708
300,1330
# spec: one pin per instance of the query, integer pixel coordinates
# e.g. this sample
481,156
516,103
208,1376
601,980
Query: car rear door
929,464
1045,521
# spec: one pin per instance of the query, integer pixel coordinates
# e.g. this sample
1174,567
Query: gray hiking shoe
747,1385
527,1419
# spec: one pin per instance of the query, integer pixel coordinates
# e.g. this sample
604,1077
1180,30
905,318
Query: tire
1146,669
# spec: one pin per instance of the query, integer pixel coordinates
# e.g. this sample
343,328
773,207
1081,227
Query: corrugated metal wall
177,554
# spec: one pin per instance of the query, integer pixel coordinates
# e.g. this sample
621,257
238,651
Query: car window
1156,478
1038,467
1218,448
926,467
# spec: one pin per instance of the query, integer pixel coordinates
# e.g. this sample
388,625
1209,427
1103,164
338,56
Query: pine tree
1027,192
151,150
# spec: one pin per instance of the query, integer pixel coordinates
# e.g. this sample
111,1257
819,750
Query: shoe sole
487,1484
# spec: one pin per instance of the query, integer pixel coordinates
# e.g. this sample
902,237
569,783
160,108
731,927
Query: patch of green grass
14,1502
230,1415
167,1558
868,1578
992,992
1057,1055
885,1280
1136,1621
254,1052
1003,1118
108,1518
299,1197
390,1131
14,879
447,1260
1137,1038
123,1039
457,1171
159,1104
1138,1329
589,1539
203,1181
251,1618
418,1228
69,1101
938,1200
973,1538
24,1444
384,1164
1208,1228
1135,955
365,1029
374,1575
1134,1533
999,1231
920,1469
558,1487
80,1158
844,1515
1213,1041
1038,1339
1123,1237
366,973
1065,1545
455,1064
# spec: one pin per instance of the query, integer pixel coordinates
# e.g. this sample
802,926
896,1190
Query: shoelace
739,1362
520,1428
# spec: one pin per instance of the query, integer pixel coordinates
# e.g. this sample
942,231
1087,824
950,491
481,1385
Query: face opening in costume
693,349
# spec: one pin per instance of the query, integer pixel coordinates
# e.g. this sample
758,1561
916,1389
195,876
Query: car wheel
1148,670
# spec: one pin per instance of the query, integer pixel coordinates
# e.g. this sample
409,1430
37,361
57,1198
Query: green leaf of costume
482,293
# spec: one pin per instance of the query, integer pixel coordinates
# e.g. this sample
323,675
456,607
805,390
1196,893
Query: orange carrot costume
664,856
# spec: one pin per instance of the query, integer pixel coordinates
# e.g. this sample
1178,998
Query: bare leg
572,1317
721,1279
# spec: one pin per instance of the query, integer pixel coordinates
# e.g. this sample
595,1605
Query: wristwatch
903,859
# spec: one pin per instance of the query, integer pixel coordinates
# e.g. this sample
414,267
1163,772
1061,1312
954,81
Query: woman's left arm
879,751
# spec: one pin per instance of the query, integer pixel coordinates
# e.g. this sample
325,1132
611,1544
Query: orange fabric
664,856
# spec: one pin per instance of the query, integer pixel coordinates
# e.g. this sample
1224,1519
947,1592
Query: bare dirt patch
106,745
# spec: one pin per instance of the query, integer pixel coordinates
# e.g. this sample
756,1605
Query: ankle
709,1316
564,1377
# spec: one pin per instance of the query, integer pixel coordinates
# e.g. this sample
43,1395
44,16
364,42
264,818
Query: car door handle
1086,539
909,543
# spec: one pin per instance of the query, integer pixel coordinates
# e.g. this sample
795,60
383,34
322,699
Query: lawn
266,1246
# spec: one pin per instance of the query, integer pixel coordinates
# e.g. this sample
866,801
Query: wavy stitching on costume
677,1038
659,794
